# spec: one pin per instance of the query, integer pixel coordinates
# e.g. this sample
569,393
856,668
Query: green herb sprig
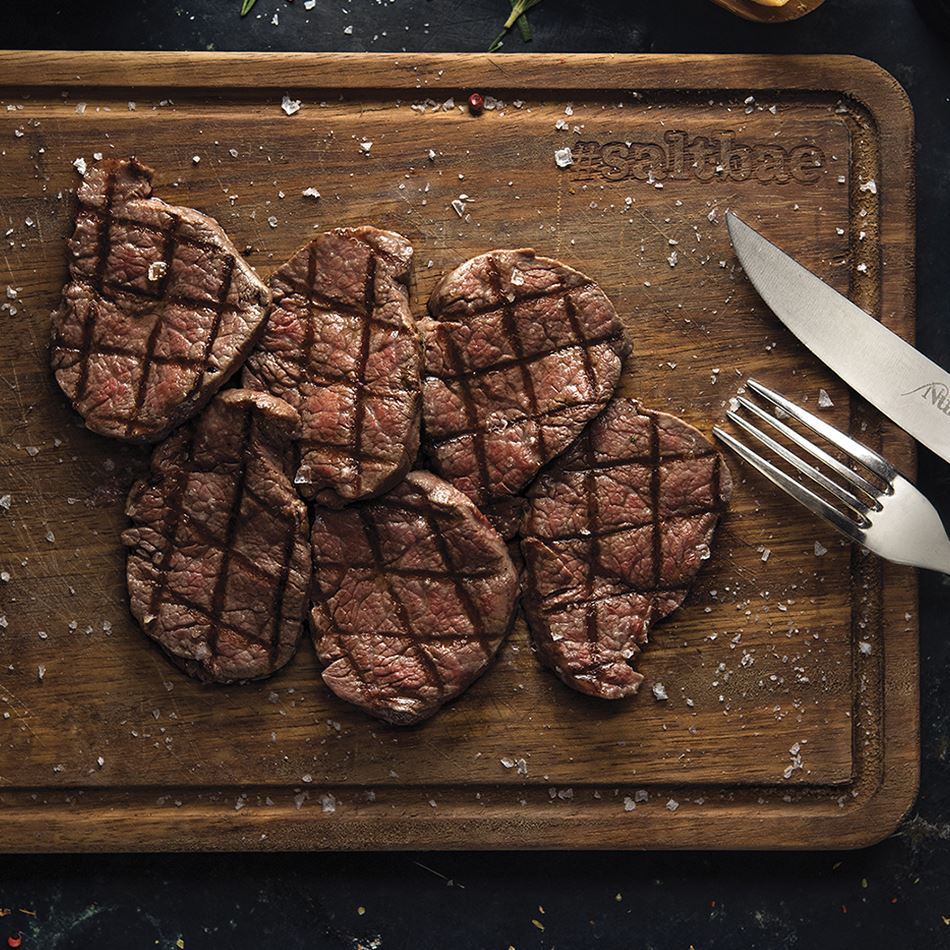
246,6
519,10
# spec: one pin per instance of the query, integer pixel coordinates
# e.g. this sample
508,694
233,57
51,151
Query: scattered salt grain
864,647
824,400
348,30
672,805
100,761
80,165
157,270
365,147
563,157
659,692
869,185
820,549
307,779
195,159
97,156
310,193
40,672
272,221
309,4
290,106
629,804
328,803
233,152
5,502
766,554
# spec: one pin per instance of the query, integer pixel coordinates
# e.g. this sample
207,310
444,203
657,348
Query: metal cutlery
894,377
881,510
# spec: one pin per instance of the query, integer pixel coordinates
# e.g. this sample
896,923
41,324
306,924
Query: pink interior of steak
219,561
158,311
615,533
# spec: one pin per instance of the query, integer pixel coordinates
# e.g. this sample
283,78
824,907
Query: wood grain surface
792,679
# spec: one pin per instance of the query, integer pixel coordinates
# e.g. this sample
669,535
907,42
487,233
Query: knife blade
897,379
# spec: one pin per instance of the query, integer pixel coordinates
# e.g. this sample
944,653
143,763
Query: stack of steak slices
413,589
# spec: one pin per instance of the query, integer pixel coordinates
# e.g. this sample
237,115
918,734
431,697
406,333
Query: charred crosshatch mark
681,156
506,296
441,617
238,444
120,301
675,488
344,295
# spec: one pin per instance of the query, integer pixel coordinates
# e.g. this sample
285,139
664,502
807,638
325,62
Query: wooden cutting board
791,718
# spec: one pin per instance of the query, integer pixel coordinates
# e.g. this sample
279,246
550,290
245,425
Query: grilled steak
219,563
341,347
413,594
616,530
520,353
158,311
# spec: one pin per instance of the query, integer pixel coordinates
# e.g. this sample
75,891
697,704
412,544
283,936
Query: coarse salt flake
563,157
290,106
824,400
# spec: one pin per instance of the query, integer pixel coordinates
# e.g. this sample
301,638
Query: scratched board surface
775,671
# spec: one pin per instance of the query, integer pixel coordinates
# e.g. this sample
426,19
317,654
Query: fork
892,519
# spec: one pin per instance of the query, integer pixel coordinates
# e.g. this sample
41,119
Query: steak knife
899,380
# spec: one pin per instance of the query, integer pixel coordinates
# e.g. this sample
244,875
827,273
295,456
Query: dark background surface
895,895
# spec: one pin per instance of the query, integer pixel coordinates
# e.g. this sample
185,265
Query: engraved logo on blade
681,156
937,394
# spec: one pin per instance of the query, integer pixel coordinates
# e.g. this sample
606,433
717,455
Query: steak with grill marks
615,533
158,311
219,564
341,346
520,353
413,593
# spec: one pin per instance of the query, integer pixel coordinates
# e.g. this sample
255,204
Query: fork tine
844,496
819,453
799,492
861,453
